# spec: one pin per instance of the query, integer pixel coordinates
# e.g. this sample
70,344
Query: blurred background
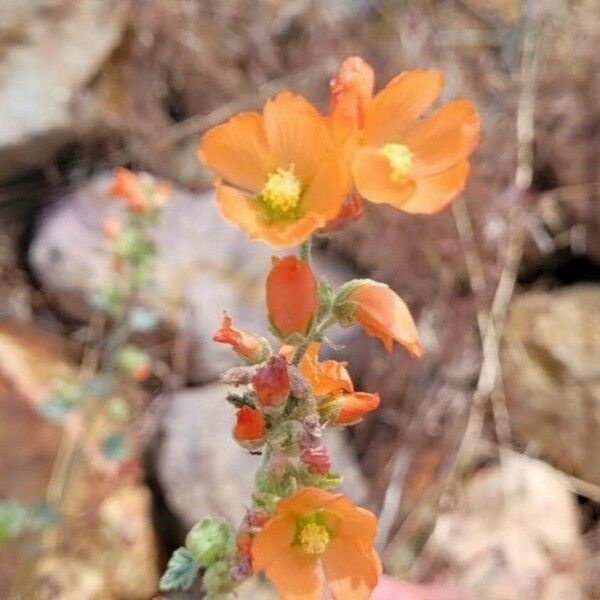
483,463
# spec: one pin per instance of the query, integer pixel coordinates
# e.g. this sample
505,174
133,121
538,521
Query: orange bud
127,186
250,425
317,460
351,92
346,409
272,384
111,227
244,543
381,312
251,347
292,299
142,372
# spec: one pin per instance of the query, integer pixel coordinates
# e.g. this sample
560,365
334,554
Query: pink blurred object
392,589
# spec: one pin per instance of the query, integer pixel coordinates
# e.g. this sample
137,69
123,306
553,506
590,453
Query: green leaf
12,519
142,319
181,571
114,447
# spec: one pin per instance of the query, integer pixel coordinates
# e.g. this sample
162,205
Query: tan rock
551,362
59,577
513,533
129,549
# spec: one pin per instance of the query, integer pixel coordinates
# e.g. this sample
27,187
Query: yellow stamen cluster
400,158
281,192
314,539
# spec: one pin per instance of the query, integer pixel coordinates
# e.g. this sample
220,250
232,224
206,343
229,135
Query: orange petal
399,103
241,211
356,523
352,572
306,500
328,189
446,137
433,193
275,538
297,576
296,133
384,315
373,180
237,150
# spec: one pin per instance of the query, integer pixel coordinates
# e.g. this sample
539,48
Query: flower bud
127,186
133,362
256,517
272,385
250,429
111,227
317,460
347,408
381,313
209,541
252,348
292,298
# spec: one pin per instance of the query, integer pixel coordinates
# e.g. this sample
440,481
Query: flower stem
305,250
300,352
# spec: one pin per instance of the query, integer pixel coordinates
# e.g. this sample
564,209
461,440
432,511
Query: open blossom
252,348
415,164
317,536
380,312
324,377
282,173
292,299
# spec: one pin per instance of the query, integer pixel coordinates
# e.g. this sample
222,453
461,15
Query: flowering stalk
283,176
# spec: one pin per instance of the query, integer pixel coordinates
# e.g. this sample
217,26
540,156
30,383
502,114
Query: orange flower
128,187
348,408
324,377
416,165
380,311
292,299
317,535
249,427
249,346
272,385
284,170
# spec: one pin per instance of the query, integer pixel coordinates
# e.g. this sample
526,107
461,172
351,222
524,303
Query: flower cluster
284,176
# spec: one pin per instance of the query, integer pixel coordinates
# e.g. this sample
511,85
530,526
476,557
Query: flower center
400,158
281,193
314,538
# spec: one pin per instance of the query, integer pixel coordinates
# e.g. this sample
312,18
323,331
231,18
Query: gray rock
204,266
49,51
551,364
202,471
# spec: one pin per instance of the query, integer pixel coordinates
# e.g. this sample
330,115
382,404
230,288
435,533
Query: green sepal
210,541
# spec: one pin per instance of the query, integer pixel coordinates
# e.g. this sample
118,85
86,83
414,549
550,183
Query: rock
204,266
66,578
34,361
129,553
513,533
49,49
202,471
551,362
